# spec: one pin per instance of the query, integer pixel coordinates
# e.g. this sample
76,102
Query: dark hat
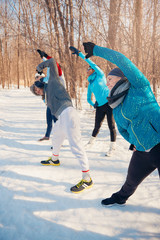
39,84
32,89
116,72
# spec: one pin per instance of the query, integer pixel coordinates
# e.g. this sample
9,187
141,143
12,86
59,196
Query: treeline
129,26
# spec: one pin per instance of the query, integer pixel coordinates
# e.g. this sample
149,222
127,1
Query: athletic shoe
81,186
111,149
90,143
44,138
50,162
109,153
114,199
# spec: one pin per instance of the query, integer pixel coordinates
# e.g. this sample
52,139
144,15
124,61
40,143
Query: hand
132,147
95,105
74,50
42,54
88,48
40,73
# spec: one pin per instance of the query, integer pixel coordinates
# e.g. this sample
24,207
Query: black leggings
49,122
141,165
100,114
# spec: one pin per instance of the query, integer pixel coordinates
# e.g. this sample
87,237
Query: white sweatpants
68,126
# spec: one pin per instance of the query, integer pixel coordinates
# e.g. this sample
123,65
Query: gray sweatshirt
57,97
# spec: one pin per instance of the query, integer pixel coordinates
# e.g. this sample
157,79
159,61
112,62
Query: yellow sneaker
81,186
50,162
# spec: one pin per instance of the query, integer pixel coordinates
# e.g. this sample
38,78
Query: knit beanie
39,84
116,72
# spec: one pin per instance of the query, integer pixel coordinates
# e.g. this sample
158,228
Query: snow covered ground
35,200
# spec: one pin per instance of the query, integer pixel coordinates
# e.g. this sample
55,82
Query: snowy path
35,201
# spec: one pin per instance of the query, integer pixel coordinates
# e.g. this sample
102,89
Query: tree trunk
154,49
138,33
112,26
2,79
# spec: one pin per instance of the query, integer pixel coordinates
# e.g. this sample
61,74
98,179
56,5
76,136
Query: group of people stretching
126,94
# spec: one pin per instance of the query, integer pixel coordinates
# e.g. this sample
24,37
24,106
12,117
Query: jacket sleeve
133,74
45,79
89,95
51,64
123,132
92,64
45,64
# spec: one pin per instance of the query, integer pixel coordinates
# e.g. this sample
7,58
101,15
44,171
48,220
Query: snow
35,200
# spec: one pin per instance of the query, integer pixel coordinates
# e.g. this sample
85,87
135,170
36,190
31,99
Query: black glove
95,105
40,73
88,48
42,54
74,50
131,147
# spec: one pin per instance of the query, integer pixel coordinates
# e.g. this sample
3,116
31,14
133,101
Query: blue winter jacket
97,84
138,117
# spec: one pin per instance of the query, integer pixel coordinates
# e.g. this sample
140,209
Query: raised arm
51,64
133,74
91,63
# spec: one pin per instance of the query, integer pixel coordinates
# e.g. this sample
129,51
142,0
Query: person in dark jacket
137,115
66,122
38,77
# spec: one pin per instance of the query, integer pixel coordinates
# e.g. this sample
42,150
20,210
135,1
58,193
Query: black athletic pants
49,122
100,114
141,165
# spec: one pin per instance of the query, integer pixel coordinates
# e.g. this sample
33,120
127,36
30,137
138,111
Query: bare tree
2,80
154,47
114,14
54,25
138,32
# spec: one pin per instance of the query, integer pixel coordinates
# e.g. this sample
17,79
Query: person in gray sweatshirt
67,124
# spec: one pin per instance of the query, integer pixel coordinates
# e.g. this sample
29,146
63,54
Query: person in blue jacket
137,115
97,86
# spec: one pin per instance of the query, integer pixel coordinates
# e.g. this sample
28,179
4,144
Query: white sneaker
90,143
111,149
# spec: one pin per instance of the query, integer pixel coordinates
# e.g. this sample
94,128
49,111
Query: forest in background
129,26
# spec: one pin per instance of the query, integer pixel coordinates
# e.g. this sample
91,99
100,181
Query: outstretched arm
51,63
133,74
91,63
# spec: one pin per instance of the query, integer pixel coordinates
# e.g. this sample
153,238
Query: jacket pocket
153,127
